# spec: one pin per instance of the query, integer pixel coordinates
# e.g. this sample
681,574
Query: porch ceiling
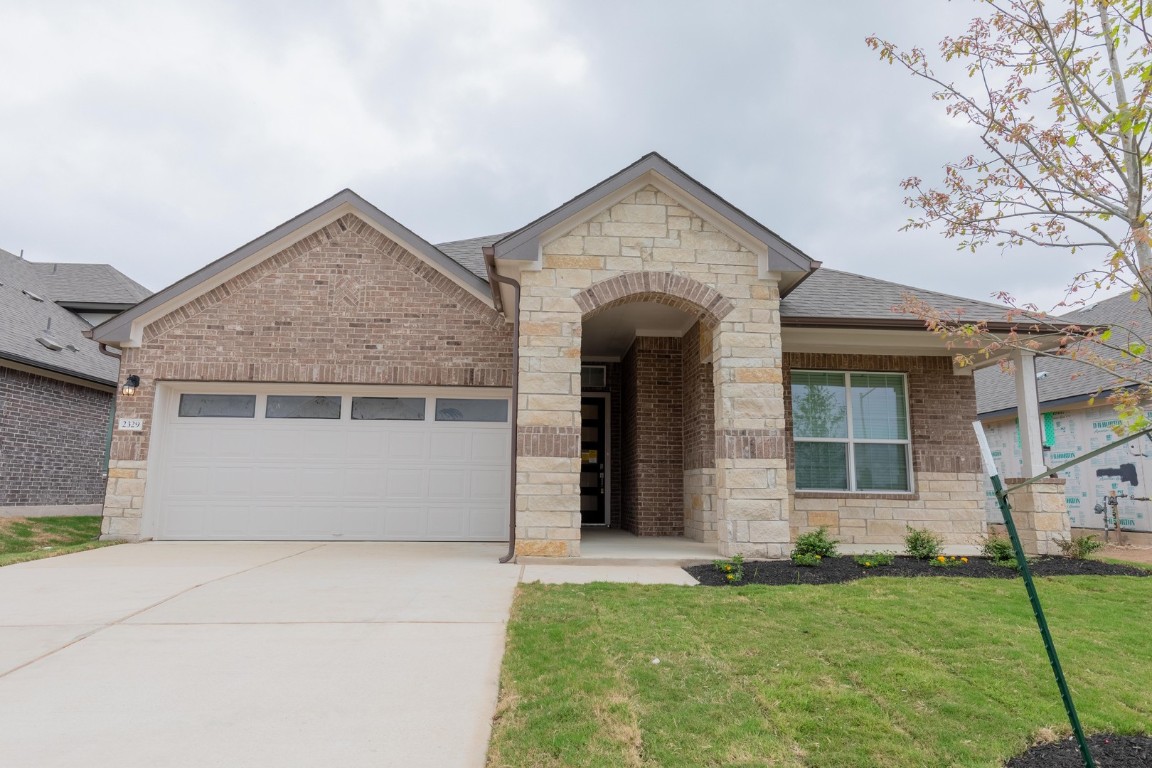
610,333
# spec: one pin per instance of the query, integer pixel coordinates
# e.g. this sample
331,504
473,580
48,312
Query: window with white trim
850,431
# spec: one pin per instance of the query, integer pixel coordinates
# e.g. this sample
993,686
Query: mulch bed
837,570
1108,751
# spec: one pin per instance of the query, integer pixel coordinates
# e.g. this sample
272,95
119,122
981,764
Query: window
850,431
461,409
302,407
218,406
388,409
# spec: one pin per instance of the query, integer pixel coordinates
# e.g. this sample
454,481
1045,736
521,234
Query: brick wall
654,437
344,305
52,437
948,494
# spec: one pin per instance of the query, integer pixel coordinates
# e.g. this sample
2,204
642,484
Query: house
1075,419
56,388
647,355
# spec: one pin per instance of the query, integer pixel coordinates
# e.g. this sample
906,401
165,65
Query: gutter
882,324
56,369
494,279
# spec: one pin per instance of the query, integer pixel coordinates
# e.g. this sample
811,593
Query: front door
593,461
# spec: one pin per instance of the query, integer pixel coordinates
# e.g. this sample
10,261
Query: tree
1061,93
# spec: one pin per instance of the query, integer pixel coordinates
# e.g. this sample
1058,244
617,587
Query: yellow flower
868,564
728,568
963,559
731,577
942,559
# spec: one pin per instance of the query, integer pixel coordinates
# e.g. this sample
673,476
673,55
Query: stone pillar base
1040,514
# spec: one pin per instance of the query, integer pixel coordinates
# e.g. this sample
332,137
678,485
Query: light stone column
751,468
1028,412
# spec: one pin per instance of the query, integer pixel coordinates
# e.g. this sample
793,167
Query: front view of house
646,356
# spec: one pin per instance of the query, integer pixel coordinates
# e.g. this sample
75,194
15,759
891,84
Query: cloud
159,136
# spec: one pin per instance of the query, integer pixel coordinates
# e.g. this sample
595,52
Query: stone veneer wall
699,435
343,305
649,247
52,441
654,434
1040,514
948,495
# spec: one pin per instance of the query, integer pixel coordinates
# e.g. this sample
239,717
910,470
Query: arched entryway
648,458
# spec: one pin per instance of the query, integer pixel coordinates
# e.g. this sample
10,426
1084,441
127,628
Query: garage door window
218,406
461,409
302,407
388,409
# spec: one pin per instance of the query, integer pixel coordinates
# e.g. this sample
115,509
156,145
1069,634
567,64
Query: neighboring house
1076,419
56,387
342,378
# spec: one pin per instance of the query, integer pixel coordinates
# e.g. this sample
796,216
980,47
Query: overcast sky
159,136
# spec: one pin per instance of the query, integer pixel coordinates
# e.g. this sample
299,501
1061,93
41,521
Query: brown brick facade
654,437
344,305
52,441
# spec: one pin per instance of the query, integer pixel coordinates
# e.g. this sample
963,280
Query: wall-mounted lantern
130,385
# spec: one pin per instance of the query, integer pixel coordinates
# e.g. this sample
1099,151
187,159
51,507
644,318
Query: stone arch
668,288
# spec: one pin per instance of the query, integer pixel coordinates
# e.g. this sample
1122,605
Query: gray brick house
56,388
645,356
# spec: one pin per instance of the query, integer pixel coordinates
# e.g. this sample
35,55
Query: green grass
878,672
31,538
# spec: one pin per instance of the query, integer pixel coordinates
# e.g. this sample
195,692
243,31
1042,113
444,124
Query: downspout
493,277
111,414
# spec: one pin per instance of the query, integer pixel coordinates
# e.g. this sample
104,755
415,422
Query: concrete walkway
253,654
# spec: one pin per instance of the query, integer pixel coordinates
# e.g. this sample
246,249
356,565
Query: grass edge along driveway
879,672
32,538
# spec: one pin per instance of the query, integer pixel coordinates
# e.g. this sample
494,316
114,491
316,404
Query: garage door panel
365,479
407,446
447,522
404,483
447,484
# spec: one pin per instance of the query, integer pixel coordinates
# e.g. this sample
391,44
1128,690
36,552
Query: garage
299,462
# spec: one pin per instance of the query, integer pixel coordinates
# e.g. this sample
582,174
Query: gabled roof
27,309
470,253
832,297
88,284
1067,381
120,328
524,243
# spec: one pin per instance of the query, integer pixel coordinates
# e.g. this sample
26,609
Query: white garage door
332,464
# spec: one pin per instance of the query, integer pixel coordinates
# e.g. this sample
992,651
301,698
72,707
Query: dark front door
593,461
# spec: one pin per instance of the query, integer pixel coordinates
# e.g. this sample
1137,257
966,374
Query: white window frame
851,442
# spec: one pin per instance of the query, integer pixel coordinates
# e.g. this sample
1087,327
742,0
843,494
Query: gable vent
593,376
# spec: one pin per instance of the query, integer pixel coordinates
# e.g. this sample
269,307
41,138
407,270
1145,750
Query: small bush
815,542
998,548
923,544
1079,549
733,569
806,559
875,559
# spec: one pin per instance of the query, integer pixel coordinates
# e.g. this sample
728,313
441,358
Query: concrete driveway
239,654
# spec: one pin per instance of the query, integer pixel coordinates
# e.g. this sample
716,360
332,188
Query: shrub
806,559
923,544
998,548
733,569
1079,549
874,559
815,542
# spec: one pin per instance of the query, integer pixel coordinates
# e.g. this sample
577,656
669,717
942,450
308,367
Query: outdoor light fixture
130,385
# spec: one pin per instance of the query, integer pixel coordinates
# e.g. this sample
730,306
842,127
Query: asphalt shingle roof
1067,378
89,283
470,253
832,294
23,319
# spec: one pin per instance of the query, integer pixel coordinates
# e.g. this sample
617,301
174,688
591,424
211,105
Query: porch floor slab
611,546
619,574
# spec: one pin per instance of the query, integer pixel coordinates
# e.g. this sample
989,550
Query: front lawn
31,538
879,672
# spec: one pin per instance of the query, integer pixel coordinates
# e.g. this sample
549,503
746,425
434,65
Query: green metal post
1033,598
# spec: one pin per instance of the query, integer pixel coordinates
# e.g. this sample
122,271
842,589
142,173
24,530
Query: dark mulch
836,570
1108,751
